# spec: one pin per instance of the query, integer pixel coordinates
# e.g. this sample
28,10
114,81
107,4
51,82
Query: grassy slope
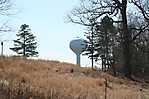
66,80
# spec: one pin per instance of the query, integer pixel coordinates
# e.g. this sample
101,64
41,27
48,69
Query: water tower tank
78,46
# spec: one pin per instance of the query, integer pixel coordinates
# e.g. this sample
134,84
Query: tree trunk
127,55
24,50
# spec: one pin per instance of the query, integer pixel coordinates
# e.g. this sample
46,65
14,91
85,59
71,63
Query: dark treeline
117,34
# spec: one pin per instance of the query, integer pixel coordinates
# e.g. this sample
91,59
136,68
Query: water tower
78,46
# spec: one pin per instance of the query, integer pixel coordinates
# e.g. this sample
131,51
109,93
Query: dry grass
41,79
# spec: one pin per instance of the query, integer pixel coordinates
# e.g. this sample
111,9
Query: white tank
78,46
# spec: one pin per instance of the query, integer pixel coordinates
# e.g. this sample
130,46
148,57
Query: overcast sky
46,19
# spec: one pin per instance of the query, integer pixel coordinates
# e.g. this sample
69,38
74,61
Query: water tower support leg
78,59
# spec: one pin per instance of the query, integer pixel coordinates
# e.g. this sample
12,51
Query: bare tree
5,10
119,10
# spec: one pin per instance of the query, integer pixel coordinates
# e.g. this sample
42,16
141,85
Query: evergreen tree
106,37
25,45
101,38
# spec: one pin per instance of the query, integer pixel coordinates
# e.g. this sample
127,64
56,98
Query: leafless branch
142,29
138,4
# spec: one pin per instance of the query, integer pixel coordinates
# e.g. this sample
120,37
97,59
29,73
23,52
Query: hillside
43,79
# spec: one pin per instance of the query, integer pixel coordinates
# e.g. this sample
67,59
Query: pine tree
105,40
25,45
102,35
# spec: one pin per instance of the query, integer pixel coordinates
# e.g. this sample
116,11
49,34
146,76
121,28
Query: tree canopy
129,16
25,44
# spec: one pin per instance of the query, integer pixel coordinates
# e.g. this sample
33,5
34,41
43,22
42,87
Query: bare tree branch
145,14
142,29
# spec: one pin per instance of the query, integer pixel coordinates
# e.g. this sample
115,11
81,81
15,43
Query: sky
47,20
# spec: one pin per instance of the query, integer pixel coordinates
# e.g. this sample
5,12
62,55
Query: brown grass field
42,79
